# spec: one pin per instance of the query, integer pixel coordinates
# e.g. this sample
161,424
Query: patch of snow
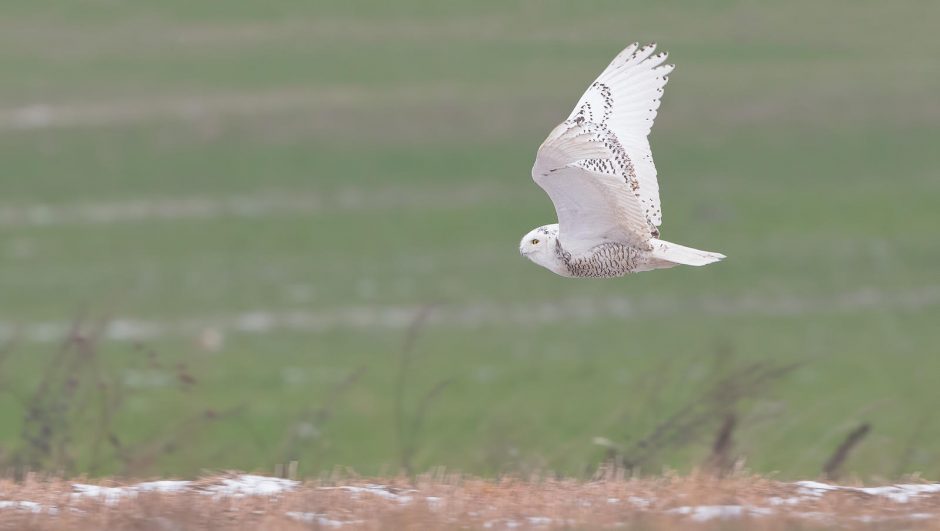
510,524
378,490
826,517
30,506
529,521
704,513
166,485
792,500
866,518
870,519
539,520
637,501
814,515
815,488
238,486
111,495
320,520
434,502
902,493
251,485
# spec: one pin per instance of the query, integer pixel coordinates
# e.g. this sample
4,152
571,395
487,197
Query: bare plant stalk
70,415
689,423
832,468
720,461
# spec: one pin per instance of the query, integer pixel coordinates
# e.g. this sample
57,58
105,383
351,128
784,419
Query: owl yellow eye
535,241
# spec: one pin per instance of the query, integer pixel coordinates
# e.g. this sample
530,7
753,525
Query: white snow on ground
792,500
486,313
896,493
114,494
703,513
376,490
253,485
911,517
811,490
249,485
32,507
110,495
235,487
539,520
637,501
165,485
320,520
434,502
528,522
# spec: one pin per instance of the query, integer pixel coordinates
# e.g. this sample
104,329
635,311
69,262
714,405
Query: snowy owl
598,170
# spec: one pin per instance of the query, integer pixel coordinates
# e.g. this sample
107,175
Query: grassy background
388,146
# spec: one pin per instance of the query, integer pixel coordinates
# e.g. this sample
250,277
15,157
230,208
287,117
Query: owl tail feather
679,254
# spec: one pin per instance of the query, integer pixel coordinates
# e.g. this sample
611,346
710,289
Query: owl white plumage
598,170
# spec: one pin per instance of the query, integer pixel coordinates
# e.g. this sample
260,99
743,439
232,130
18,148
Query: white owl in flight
598,170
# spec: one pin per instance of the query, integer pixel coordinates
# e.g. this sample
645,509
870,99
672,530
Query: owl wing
597,167
593,202
624,99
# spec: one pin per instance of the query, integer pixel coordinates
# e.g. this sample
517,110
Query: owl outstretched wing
593,203
597,166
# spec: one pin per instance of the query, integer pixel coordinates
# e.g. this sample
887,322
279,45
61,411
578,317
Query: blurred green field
300,179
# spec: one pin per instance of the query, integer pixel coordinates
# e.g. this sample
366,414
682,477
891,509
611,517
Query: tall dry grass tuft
70,417
716,405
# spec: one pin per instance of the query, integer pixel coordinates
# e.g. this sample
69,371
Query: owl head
539,245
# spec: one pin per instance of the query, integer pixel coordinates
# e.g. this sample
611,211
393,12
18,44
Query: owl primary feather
598,170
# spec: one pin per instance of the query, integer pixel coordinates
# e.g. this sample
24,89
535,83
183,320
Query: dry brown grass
443,501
